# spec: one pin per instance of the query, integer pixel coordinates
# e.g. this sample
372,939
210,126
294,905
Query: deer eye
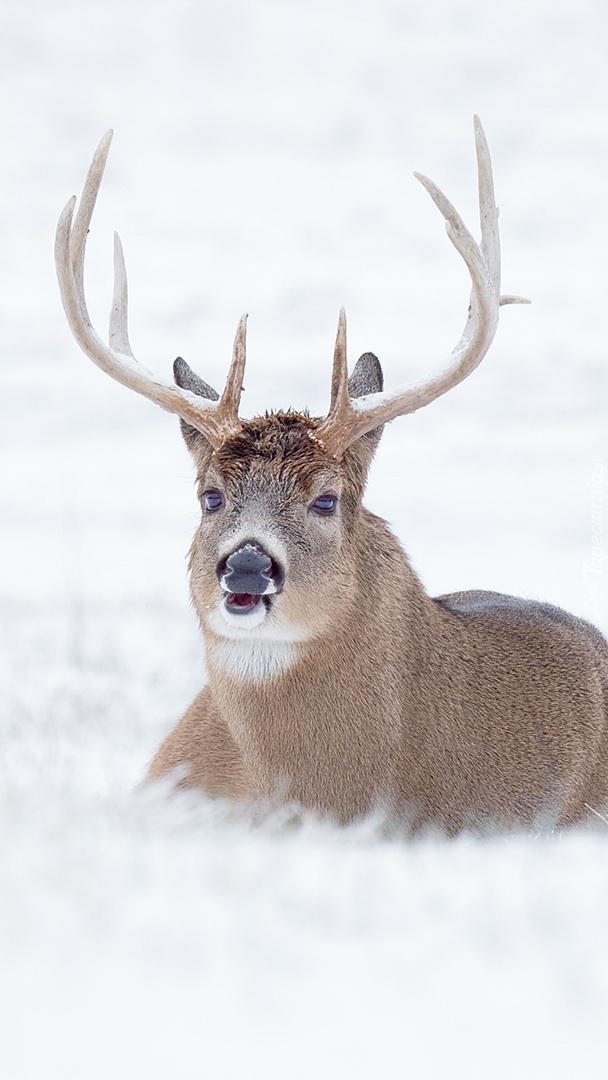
325,504
213,500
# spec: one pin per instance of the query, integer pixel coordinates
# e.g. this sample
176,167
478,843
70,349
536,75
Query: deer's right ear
188,380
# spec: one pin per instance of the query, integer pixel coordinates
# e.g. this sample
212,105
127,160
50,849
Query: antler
348,419
215,420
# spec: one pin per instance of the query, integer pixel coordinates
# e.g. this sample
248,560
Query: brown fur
463,711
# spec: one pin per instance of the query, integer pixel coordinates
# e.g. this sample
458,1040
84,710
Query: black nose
249,570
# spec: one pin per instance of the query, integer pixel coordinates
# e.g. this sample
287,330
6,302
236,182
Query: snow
262,161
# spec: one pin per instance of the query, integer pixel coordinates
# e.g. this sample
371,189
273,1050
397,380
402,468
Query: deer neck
321,720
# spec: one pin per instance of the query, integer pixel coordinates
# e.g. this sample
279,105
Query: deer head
274,557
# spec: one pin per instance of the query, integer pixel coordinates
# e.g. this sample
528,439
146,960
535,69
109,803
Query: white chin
254,647
225,623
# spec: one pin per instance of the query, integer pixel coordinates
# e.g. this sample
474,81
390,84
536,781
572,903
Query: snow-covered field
262,161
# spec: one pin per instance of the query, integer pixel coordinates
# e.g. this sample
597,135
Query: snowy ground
262,161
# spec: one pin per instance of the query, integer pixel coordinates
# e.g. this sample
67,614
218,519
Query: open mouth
242,603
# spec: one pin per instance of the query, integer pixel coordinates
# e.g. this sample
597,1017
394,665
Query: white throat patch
253,661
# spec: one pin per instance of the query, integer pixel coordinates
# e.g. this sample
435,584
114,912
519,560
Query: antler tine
82,221
344,426
117,359
488,211
339,375
228,406
340,410
488,214
119,327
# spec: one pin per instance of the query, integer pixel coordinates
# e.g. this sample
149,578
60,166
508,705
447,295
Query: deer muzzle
247,575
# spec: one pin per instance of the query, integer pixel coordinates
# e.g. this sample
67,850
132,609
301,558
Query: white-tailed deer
334,681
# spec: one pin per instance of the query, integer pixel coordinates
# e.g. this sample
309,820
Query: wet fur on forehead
287,439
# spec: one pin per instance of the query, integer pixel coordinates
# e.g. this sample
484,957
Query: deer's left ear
367,378
188,380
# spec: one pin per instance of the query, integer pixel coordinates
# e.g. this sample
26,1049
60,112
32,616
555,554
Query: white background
262,161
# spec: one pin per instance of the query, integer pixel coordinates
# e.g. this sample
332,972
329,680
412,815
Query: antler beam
348,419
215,420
